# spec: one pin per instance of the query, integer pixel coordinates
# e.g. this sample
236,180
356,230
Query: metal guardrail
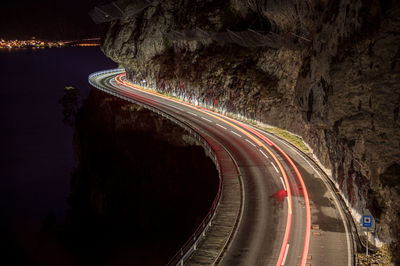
192,243
98,73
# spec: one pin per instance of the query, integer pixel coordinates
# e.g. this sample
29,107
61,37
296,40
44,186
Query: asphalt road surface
291,215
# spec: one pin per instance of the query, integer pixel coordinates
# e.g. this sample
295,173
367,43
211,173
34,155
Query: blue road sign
367,221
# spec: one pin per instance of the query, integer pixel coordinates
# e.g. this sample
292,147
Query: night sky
47,19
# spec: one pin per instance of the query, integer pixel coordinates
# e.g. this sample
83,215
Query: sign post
367,223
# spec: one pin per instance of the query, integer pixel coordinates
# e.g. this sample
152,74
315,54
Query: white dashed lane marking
179,108
283,183
251,142
206,119
264,154
221,126
276,169
286,251
233,132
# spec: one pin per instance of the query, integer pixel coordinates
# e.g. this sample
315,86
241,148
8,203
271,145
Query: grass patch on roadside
295,140
382,257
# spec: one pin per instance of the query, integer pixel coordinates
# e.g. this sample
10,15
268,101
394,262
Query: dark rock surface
337,87
141,188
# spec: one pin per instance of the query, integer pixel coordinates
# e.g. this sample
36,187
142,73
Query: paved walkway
218,236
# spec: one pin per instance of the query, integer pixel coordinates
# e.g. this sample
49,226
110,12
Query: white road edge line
333,196
264,154
251,143
286,252
236,133
192,113
283,183
276,169
206,119
220,126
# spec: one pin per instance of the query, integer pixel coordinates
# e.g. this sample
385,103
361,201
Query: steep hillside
328,71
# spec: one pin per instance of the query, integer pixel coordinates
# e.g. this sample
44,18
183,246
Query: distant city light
34,43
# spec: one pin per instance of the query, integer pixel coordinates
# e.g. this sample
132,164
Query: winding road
291,214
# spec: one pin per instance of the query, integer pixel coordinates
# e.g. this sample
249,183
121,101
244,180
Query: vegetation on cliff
336,87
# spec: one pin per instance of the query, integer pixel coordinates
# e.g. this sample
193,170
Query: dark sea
36,158
52,210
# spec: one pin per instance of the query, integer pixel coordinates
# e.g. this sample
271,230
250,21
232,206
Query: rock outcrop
129,198
337,84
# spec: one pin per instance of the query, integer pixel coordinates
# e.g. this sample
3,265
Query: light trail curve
267,229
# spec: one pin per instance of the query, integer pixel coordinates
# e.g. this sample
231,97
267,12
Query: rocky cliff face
336,84
129,198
